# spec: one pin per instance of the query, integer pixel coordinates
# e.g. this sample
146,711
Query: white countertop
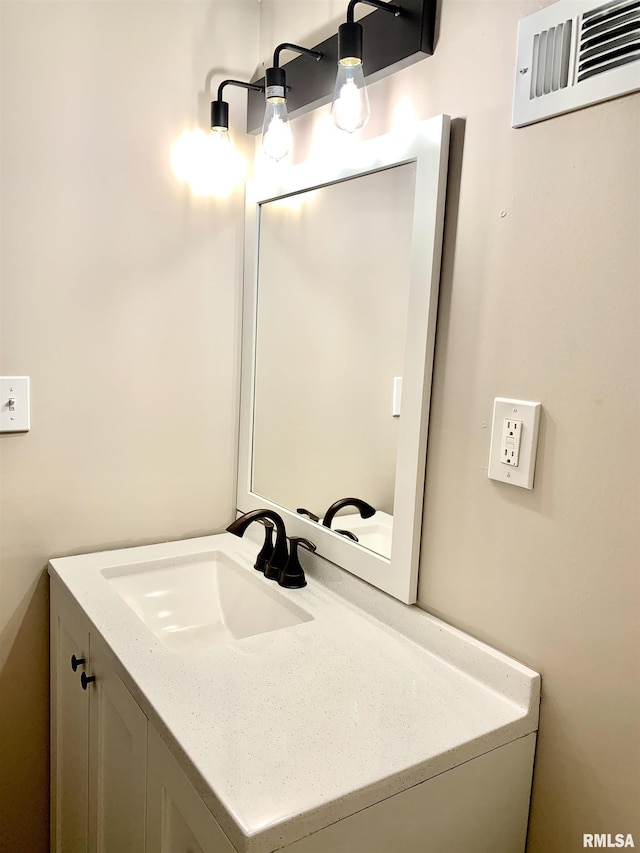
286,732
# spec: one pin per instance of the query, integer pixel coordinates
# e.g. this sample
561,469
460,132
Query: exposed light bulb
220,169
277,140
350,107
220,140
276,131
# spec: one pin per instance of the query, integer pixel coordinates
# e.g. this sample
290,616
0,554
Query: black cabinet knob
86,679
76,662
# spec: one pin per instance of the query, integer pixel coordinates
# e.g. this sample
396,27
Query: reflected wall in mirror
333,291
341,283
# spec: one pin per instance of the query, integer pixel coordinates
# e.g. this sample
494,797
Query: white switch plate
14,403
527,414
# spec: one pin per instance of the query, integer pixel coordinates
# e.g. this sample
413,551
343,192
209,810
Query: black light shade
219,115
275,83
349,41
220,108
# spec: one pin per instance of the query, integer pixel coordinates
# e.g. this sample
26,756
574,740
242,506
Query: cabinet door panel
69,732
118,761
176,834
177,819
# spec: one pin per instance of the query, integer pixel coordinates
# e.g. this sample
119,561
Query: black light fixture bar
390,43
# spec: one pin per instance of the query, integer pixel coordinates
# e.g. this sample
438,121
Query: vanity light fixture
276,132
220,110
208,161
350,106
387,44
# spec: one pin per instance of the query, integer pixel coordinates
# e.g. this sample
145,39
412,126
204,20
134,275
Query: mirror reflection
334,267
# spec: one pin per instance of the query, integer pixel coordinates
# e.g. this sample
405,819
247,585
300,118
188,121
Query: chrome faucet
280,555
365,509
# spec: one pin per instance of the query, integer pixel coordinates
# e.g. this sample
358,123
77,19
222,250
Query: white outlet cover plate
15,417
529,414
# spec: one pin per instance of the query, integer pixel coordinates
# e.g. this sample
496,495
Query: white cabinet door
69,728
117,761
177,819
98,743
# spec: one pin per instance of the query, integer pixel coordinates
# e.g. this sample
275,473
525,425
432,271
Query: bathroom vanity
197,706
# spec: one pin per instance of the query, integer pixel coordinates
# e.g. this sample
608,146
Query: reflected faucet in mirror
365,510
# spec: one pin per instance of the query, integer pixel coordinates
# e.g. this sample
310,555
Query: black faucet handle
348,534
300,541
302,511
292,576
266,552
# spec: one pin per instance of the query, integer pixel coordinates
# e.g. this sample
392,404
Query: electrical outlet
514,441
511,434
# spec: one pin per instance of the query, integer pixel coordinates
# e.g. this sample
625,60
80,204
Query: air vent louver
550,63
573,54
610,37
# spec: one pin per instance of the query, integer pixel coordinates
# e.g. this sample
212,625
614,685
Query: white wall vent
575,53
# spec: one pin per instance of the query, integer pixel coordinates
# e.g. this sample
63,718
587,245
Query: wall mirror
342,268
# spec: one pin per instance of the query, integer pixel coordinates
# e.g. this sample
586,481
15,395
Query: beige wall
539,300
120,298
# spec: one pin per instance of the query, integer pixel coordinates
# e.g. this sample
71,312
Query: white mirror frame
428,147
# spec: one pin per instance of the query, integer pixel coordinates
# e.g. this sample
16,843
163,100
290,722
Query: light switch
514,441
396,403
14,403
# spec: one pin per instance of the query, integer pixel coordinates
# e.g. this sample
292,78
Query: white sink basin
200,600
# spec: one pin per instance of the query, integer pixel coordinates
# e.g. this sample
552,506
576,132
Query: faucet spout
280,551
365,509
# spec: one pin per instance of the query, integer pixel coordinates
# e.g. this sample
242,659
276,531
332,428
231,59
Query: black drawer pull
75,662
86,679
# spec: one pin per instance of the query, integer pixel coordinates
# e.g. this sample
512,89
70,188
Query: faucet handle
292,576
348,534
302,511
266,552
